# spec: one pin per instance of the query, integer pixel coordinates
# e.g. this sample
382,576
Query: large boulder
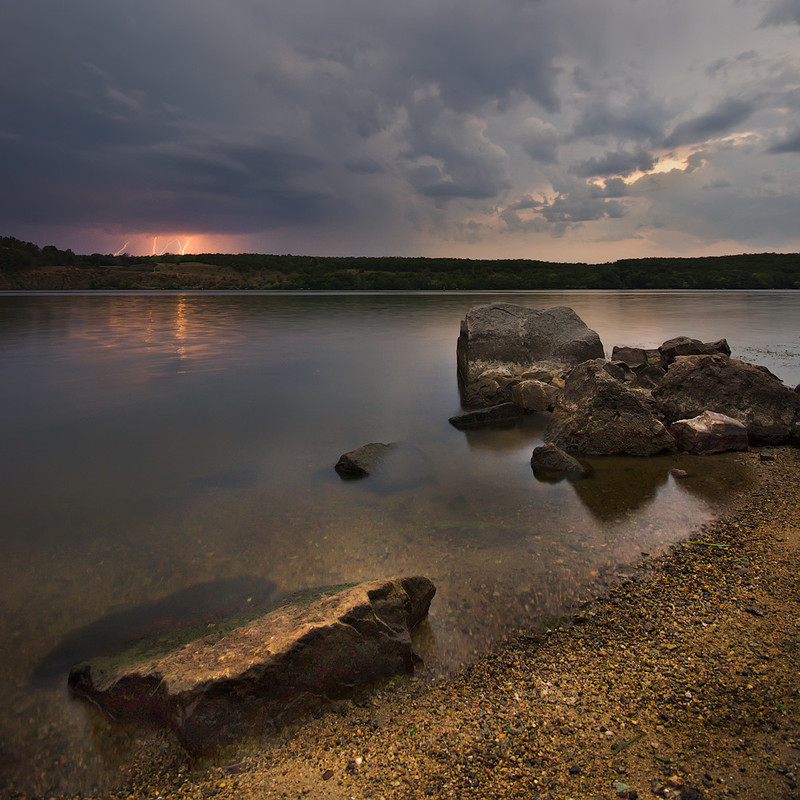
598,414
504,336
709,433
684,346
749,393
215,688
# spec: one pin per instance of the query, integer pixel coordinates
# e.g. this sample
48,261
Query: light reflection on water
160,442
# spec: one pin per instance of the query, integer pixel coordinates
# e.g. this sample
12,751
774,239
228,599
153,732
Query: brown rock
534,395
213,688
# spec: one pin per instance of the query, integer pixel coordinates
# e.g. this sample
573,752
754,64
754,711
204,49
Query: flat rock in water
213,689
709,433
502,414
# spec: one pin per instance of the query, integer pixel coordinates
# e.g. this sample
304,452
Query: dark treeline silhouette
18,260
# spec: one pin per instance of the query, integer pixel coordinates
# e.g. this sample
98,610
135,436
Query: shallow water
172,455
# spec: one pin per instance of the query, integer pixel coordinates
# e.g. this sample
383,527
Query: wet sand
682,681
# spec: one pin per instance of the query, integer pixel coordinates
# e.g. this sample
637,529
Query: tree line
264,271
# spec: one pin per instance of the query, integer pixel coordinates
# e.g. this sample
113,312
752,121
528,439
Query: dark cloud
385,122
611,187
540,140
633,117
614,163
782,12
719,120
790,144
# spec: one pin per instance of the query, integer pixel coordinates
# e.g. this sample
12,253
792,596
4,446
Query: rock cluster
514,360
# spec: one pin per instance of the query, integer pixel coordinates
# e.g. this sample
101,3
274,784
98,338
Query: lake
170,456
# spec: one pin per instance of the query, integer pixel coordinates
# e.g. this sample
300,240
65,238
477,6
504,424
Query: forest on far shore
24,265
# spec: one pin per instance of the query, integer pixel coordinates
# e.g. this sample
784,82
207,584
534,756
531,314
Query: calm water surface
170,455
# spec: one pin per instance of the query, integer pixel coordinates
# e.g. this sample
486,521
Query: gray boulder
684,346
507,336
392,467
749,393
598,414
709,433
213,689
502,414
549,460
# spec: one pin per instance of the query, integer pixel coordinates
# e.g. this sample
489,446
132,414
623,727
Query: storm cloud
533,128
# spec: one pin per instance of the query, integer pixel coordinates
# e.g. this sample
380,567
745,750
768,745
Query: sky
564,130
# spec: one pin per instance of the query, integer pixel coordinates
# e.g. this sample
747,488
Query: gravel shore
683,681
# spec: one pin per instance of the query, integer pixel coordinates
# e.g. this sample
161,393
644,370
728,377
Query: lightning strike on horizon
183,249
121,250
155,241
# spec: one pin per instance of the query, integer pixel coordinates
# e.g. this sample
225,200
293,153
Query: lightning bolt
183,249
121,250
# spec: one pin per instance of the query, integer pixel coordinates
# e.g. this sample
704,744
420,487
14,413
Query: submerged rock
363,460
749,393
504,336
598,414
211,690
709,433
393,467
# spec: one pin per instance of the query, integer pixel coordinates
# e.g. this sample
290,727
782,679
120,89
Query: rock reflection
527,430
619,486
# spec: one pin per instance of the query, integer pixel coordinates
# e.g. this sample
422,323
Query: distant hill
26,266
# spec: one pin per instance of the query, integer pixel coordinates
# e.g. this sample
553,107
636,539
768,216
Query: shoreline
682,681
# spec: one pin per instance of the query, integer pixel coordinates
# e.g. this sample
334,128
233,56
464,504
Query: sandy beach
682,681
